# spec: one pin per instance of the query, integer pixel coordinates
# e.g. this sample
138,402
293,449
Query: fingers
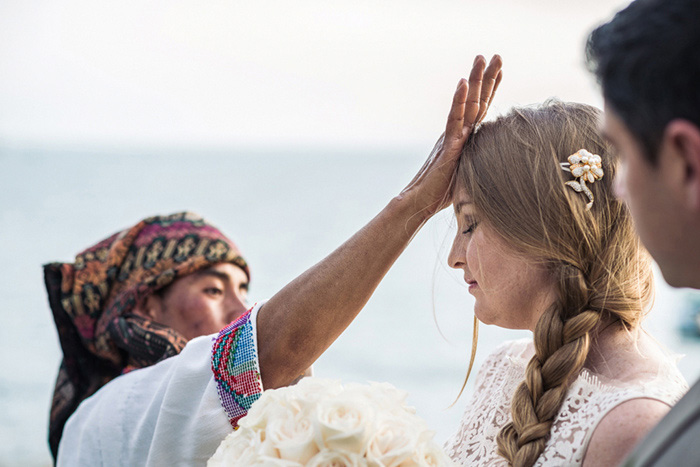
495,88
455,120
491,80
472,100
472,106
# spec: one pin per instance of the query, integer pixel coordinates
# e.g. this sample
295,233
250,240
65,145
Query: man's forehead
612,127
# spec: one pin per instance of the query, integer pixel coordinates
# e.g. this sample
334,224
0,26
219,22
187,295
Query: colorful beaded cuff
235,365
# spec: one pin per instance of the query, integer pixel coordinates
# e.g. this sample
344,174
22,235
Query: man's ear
682,138
150,307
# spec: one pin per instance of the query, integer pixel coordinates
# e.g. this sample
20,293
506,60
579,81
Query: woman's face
201,303
511,291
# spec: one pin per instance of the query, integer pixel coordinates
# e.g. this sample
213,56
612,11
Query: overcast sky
270,73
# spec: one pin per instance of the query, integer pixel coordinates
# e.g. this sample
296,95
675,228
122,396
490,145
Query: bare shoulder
621,429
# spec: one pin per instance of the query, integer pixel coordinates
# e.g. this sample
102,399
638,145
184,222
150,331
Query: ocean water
286,209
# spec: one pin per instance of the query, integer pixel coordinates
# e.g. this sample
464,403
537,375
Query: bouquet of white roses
320,422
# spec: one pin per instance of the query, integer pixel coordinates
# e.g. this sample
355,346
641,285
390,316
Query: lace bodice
588,400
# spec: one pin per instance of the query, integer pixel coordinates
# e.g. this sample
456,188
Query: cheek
471,256
481,258
197,312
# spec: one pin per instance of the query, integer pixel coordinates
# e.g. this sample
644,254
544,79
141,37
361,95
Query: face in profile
511,291
200,303
642,187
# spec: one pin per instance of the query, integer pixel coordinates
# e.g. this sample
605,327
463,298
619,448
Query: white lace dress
588,400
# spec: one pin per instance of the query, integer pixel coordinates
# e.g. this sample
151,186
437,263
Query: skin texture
664,199
624,356
511,291
201,303
621,429
299,322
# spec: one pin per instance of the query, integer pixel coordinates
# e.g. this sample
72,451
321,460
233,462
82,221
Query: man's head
647,60
136,298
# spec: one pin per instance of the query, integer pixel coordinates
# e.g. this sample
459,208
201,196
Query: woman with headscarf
99,302
110,315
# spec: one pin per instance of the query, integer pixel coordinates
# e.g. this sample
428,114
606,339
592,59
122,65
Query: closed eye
470,229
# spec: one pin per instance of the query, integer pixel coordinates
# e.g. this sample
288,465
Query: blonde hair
510,168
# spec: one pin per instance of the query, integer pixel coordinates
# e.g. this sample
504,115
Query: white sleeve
166,414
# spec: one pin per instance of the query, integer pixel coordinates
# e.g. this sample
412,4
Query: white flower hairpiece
586,167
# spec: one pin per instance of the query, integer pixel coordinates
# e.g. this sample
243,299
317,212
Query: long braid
562,340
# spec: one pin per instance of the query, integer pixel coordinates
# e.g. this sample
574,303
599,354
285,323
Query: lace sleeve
236,367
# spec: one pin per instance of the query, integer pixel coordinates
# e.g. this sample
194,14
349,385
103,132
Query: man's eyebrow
220,275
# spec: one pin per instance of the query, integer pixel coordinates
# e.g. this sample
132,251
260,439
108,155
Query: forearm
304,318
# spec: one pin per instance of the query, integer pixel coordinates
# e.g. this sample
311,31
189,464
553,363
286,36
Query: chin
483,316
490,319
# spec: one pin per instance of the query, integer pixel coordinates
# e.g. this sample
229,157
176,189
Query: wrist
408,212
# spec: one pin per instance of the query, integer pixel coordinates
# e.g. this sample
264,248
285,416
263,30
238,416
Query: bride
545,246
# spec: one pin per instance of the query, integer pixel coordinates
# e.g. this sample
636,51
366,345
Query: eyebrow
461,204
221,276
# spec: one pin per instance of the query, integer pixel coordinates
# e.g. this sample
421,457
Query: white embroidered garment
168,414
587,402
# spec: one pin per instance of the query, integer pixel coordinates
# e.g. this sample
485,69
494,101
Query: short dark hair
647,60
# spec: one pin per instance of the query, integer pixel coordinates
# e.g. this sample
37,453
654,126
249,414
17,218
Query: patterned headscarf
92,301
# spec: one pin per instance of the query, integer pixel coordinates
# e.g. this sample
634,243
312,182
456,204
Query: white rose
292,434
393,442
429,454
326,458
238,448
344,423
271,405
312,390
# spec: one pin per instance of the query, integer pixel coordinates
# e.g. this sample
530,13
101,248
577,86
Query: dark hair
647,60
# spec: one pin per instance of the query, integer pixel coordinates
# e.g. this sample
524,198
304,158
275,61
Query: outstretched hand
431,187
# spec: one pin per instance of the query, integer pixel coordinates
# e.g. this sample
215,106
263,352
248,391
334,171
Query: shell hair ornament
585,167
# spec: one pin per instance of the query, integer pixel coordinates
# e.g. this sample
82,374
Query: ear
682,139
150,307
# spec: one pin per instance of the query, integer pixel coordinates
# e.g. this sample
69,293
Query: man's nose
235,307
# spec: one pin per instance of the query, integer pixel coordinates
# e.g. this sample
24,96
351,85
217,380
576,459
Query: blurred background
288,125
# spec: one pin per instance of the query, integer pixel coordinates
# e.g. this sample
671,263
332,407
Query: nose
457,257
236,306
